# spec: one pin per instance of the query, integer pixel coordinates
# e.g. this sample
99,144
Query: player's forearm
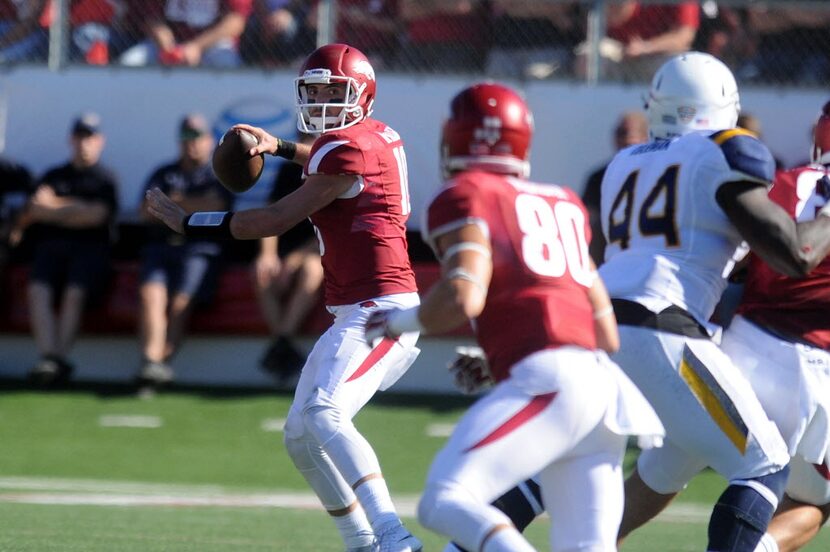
297,152
450,304
273,220
605,324
814,240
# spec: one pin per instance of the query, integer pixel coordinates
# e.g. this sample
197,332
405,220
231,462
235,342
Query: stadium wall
141,110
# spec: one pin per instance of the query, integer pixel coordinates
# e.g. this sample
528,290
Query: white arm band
825,211
461,274
405,320
465,246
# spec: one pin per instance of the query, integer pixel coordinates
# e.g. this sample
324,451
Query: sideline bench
233,311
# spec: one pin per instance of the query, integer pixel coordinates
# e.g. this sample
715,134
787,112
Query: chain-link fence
772,42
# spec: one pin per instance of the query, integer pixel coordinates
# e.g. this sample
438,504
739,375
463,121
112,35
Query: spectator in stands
177,272
631,128
278,32
289,276
69,219
444,35
371,26
21,36
723,33
188,33
640,37
534,39
93,29
15,188
793,45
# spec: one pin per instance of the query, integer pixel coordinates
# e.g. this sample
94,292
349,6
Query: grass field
96,469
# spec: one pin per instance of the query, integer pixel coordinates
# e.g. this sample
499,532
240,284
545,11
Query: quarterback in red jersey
780,339
355,193
514,258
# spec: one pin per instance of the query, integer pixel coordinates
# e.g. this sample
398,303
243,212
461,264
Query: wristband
286,149
209,224
825,211
405,320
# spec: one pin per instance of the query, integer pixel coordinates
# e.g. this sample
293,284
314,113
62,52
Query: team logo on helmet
363,67
489,132
686,113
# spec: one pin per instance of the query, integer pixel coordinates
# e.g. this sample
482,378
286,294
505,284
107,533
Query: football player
514,258
356,195
675,212
780,340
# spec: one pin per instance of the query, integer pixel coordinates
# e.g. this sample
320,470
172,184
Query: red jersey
648,21
799,308
363,233
539,235
187,18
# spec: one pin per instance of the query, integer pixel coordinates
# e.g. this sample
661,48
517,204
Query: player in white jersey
675,212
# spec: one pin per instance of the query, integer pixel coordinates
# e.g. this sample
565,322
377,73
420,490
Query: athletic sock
354,529
374,497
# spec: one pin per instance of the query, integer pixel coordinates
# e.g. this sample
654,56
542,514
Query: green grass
217,440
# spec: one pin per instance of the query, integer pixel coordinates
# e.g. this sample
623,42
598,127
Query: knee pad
427,505
322,421
297,449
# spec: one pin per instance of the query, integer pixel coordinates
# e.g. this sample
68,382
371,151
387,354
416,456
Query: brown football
232,165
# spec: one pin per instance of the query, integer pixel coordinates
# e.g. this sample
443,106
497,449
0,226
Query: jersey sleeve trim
432,236
354,190
317,158
720,137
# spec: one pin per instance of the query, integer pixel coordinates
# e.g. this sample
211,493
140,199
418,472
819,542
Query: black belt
672,319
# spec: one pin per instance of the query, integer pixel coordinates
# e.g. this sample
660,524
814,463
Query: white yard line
31,490
128,420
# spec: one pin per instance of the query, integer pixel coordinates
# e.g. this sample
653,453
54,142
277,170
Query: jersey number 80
553,238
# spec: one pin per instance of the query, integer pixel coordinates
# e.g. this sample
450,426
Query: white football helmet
692,91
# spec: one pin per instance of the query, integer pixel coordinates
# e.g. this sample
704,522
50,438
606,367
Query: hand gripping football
232,164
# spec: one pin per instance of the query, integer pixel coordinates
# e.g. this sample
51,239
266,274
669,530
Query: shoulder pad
746,154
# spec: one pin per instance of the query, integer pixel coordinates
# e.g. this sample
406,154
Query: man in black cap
177,273
68,219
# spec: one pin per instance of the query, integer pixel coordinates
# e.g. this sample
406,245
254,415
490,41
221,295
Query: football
232,164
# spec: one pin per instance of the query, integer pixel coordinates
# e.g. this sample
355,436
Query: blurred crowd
63,225
768,42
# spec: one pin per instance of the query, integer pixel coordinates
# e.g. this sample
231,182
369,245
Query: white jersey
669,242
